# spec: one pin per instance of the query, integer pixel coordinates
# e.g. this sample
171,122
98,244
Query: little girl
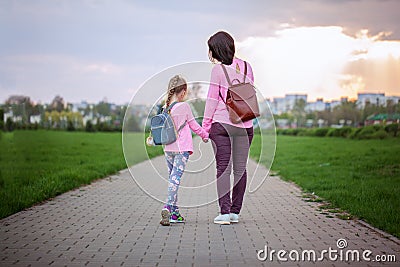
177,153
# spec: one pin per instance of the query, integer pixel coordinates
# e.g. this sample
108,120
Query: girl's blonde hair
175,86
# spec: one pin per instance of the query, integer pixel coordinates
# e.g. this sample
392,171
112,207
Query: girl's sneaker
176,217
165,215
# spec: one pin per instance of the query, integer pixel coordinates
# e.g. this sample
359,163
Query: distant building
394,99
79,106
293,98
376,99
334,103
281,105
383,119
364,99
278,105
35,119
319,105
7,115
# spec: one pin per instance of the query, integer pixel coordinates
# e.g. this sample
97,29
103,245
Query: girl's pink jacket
180,113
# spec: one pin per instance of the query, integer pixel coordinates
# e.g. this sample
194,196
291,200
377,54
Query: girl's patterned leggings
176,162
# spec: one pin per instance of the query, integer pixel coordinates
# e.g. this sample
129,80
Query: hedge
366,132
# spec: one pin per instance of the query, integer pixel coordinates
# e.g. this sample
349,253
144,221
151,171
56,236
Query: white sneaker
222,219
234,218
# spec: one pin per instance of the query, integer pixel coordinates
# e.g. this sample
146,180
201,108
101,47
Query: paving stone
112,222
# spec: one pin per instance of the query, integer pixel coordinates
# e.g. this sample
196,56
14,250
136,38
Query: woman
231,142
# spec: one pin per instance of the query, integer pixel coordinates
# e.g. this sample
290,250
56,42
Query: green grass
38,165
358,176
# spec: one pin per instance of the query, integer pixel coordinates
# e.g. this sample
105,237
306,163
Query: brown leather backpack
241,100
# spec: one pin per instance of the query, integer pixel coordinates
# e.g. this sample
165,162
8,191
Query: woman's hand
205,140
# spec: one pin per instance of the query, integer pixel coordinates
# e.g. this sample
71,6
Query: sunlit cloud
323,62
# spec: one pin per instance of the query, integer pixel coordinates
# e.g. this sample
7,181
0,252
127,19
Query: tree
194,92
10,125
371,109
70,126
1,119
132,124
57,104
347,111
89,127
103,108
299,112
326,116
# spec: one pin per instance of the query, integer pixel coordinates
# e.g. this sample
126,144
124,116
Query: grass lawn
37,165
358,176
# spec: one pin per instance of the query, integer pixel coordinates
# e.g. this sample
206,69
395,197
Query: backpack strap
229,81
168,109
226,75
180,128
220,95
245,72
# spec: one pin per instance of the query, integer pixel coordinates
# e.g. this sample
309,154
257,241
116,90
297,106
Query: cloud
306,59
374,67
100,44
322,61
43,76
373,75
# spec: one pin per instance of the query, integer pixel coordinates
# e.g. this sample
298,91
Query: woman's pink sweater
215,110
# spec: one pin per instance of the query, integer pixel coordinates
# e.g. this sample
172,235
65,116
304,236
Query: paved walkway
112,222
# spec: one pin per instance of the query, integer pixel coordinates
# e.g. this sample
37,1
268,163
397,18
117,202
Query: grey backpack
162,127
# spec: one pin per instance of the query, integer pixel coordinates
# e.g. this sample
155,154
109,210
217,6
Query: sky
96,49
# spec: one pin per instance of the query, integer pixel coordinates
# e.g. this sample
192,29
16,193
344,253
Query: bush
340,132
381,134
367,132
299,131
303,133
392,129
104,127
70,126
10,125
89,127
346,131
376,127
287,132
321,132
331,132
355,133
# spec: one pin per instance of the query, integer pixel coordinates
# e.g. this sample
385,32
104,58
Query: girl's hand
205,140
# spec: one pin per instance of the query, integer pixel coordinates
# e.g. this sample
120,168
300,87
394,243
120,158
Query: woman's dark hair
222,47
